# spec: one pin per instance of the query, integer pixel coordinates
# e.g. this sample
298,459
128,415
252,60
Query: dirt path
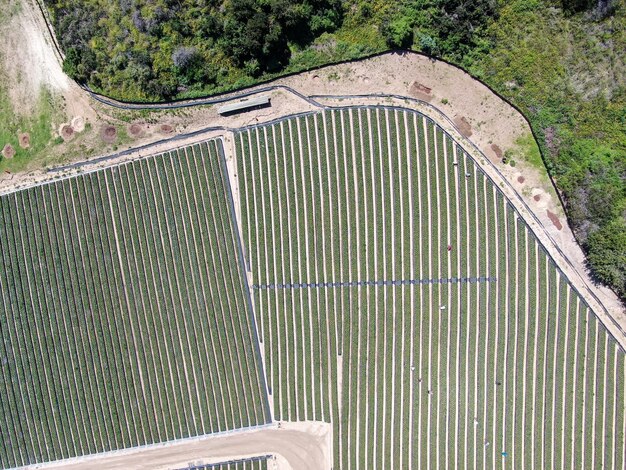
299,446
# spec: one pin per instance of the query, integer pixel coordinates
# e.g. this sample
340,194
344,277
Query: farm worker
449,247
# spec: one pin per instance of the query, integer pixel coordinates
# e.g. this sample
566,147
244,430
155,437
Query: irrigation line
111,157
257,347
249,90
195,101
313,100
399,282
175,138
141,147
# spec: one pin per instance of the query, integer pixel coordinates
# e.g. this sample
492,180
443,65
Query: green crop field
384,279
124,316
400,297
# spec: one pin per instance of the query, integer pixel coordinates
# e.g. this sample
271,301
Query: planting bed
339,210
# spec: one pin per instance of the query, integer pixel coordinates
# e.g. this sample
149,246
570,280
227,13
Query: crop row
431,376
124,316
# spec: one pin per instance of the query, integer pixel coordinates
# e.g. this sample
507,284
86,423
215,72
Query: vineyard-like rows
252,463
515,372
124,314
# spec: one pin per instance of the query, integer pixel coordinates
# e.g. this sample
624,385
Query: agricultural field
400,297
124,316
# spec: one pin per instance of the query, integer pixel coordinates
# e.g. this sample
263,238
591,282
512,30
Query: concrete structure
245,105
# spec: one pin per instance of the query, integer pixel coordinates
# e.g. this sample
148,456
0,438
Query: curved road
300,446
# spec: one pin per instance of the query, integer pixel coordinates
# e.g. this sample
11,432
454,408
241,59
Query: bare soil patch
26,57
498,151
108,134
555,220
8,151
78,123
166,129
521,179
135,129
67,132
463,125
420,91
24,139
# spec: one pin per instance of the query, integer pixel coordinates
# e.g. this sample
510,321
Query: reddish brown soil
67,132
464,127
8,151
135,129
497,150
24,140
108,134
555,220
420,91
166,129
537,197
520,179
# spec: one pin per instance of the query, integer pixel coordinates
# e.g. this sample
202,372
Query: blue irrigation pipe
242,267
211,99
313,100
371,283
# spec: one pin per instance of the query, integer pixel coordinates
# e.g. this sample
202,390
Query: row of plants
147,213
509,336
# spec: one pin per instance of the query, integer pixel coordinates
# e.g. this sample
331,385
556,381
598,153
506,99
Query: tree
398,32
79,63
607,255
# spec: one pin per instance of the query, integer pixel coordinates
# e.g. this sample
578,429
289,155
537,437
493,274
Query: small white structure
245,105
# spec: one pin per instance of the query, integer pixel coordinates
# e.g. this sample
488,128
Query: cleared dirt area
297,446
30,62
28,59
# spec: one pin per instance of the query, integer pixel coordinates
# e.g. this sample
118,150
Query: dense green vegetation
560,61
146,50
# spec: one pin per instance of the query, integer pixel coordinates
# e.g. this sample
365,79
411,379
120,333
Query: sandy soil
31,63
28,59
296,446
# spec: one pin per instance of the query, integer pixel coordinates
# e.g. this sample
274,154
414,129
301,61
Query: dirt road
302,446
